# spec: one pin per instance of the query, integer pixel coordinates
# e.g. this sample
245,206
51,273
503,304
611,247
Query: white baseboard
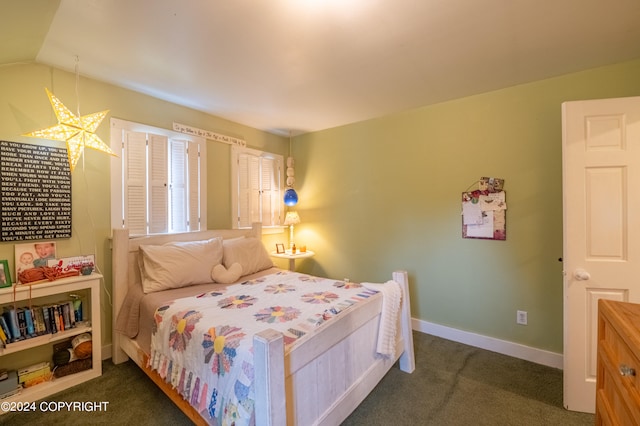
106,352
539,356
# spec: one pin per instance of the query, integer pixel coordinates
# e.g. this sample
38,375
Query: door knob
581,275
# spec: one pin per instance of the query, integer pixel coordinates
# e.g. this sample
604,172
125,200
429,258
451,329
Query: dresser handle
625,370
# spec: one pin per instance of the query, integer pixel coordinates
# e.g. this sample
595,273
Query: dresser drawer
614,402
618,379
624,359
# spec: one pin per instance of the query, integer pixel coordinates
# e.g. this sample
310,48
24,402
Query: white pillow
248,252
222,275
178,264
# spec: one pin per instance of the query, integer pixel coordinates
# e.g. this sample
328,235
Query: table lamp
292,218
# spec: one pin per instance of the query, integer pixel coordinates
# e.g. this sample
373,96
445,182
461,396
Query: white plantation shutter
193,165
159,186
248,190
158,191
254,188
257,187
244,193
134,200
178,203
269,187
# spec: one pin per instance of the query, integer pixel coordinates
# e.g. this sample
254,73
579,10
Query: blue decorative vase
290,197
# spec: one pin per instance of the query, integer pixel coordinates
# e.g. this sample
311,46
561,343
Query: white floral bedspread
203,345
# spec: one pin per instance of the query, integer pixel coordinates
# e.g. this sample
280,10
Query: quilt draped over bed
203,345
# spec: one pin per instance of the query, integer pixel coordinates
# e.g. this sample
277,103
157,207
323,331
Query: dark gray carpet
456,384
453,384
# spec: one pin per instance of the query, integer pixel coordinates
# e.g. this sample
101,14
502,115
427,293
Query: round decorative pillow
222,275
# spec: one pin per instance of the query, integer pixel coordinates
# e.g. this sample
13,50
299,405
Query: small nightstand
292,257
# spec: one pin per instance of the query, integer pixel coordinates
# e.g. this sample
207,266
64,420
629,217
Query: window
159,183
256,187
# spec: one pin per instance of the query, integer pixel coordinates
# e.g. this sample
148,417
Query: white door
601,200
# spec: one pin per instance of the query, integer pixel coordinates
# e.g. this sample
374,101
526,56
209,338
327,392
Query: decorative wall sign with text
207,134
35,192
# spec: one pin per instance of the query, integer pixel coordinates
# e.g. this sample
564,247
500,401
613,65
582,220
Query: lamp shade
292,218
290,197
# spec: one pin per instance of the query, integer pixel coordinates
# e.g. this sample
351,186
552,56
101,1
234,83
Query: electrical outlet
521,317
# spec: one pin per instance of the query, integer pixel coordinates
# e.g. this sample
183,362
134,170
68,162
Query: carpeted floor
453,384
456,384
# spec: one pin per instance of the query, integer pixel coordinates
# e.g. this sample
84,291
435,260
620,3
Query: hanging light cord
77,71
86,183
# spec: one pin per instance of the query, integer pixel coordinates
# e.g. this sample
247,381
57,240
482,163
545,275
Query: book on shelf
46,319
34,374
67,318
31,331
5,329
26,322
72,315
26,373
9,385
38,321
53,324
22,323
3,338
55,309
11,318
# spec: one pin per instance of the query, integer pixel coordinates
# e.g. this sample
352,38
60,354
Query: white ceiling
307,65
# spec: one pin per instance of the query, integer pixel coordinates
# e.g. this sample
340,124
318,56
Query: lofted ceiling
308,65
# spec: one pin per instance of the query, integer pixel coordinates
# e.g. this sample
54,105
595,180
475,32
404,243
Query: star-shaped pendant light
77,131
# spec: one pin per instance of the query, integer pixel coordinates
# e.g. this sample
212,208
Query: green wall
384,194
375,196
24,107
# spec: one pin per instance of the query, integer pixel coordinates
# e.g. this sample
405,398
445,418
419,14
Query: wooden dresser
618,381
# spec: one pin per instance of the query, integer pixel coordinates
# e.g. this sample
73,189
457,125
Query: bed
315,372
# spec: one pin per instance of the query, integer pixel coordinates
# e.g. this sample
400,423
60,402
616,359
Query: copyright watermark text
52,406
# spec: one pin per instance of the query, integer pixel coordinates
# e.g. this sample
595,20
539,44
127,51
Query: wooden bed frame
320,381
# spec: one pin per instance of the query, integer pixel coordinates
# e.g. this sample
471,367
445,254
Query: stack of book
8,383
22,323
34,374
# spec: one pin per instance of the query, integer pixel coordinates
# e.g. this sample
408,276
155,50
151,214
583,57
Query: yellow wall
384,194
375,196
24,107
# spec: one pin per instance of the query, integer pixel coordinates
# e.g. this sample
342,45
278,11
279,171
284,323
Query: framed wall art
5,274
